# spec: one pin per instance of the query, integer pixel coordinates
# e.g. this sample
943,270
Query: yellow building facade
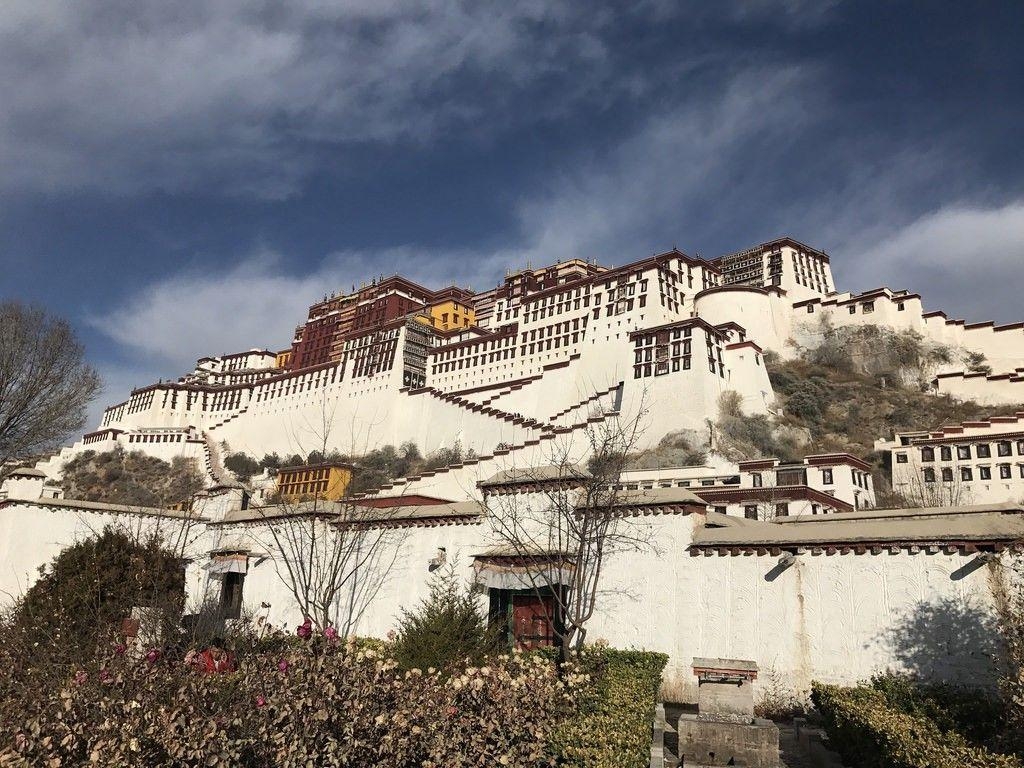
448,315
322,481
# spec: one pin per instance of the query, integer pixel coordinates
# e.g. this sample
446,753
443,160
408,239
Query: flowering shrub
323,703
869,731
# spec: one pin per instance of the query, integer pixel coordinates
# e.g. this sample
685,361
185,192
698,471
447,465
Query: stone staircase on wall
241,411
550,433
214,464
593,399
484,410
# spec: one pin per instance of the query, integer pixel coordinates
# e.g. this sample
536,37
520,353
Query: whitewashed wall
837,618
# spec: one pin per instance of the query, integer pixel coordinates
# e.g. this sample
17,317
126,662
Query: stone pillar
725,689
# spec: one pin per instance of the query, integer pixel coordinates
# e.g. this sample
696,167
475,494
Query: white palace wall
996,389
33,532
835,618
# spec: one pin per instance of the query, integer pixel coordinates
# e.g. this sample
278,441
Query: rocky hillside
865,383
120,477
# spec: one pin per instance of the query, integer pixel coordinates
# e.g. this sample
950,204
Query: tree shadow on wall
948,641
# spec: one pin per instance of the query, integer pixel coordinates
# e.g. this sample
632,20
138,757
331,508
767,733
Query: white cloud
611,208
258,302
238,96
965,260
254,304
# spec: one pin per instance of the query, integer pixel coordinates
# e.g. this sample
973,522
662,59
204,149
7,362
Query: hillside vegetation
862,384
370,470
121,477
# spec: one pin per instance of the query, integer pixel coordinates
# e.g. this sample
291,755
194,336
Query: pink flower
105,676
282,665
81,676
331,633
306,629
261,701
120,649
153,656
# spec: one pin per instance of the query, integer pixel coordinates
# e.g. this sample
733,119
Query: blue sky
181,179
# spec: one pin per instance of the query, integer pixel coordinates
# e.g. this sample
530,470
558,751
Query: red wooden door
532,621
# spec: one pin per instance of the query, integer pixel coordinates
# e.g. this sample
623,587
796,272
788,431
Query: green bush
869,732
612,725
446,629
243,465
77,604
975,714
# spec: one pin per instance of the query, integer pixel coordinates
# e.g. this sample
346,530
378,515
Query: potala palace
787,563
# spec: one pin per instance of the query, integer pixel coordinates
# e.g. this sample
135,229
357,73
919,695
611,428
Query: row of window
662,337
967,473
296,384
167,438
300,475
827,478
964,452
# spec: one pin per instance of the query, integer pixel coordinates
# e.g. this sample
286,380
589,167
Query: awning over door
508,570
228,564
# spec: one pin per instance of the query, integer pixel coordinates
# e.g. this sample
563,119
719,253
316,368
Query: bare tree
332,555
915,490
45,384
560,537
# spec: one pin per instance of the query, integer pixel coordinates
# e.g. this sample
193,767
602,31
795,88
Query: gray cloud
690,169
235,96
965,260
606,208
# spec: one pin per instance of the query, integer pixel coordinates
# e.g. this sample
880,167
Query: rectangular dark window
1004,448
1004,472
946,453
927,454
984,450
750,511
901,458
966,474
929,474
947,475
985,473
782,510
826,476
757,480
963,451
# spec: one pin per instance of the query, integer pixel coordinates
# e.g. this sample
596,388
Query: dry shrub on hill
859,385
676,449
132,478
